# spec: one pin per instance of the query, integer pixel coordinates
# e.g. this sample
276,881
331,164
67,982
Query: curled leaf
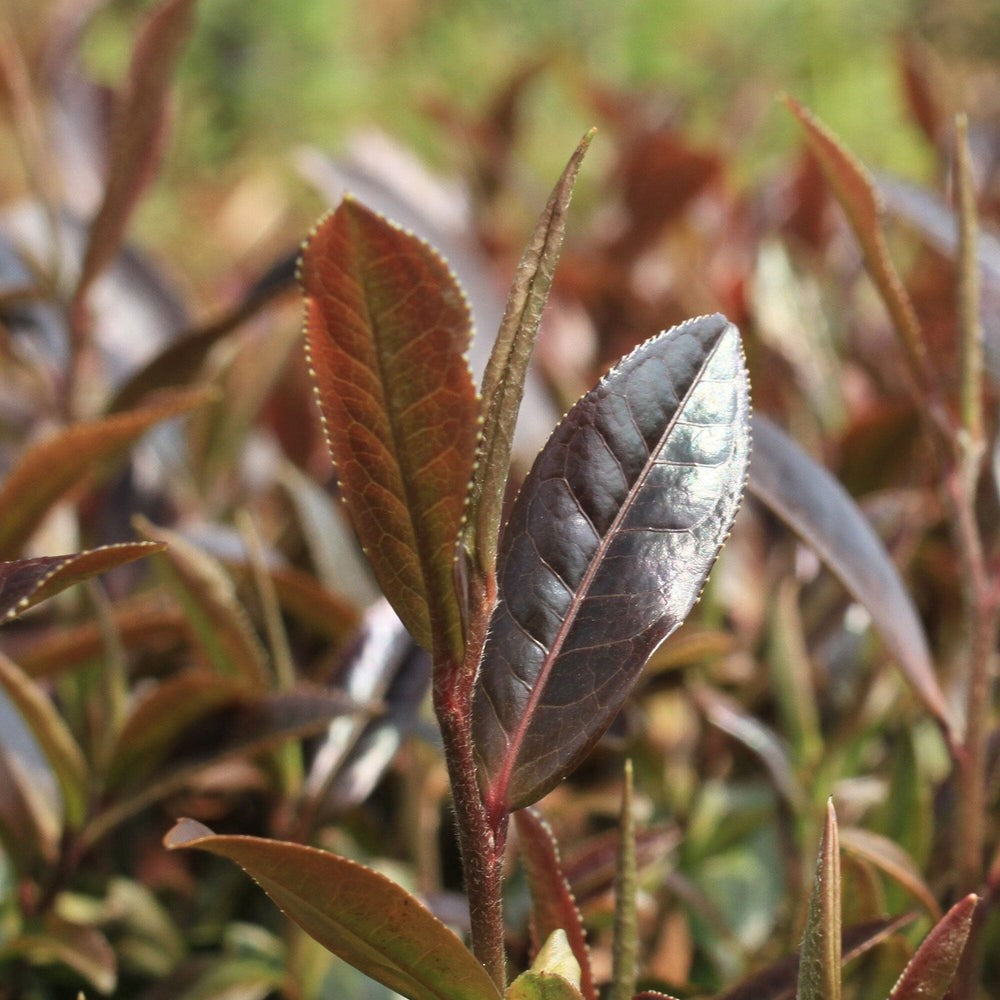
607,549
358,914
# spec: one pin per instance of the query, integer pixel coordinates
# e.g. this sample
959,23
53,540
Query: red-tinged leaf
855,190
820,957
29,824
137,131
807,498
889,857
503,380
552,902
26,582
607,549
358,914
217,620
60,463
777,981
931,970
139,625
541,986
387,330
53,736
652,995
83,949
212,730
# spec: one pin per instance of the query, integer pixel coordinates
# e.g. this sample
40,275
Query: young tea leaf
819,965
358,914
608,546
807,498
542,986
503,380
931,970
26,582
552,902
387,329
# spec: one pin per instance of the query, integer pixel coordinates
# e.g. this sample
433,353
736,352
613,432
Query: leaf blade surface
607,549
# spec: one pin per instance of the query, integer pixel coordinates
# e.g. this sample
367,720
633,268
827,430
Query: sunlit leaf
356,913
541,986
807,498
387,329
137,131
552,902
606,551
819,964
53,736
855,190
54,466
503,380
26,582
217,620
892,859
931,970
83,949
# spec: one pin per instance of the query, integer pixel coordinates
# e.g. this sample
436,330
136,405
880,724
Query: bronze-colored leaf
26,582
387,329
55,466
819,964
358,914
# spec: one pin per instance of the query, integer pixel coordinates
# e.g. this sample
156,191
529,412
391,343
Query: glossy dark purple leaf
807,498
607,549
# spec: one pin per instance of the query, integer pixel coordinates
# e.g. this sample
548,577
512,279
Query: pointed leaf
807,498
358,914
218,621
26,582
892,859
553,905
29,823
819,965
929,973
625,950
503,380
777,981
608,546
53,736
387,330
541,986
855,190
52,467
137,131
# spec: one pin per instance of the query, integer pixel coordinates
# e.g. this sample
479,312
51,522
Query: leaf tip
186,833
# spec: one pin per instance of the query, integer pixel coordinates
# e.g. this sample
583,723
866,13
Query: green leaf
56,741
138,129
387,329
53,467
553,905
931,970
625,950
26,582
218,622
819,965
503,380
608,546
862,204
358,914
892,859
541,986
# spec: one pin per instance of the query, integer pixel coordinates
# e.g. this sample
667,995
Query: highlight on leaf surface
358,914
387,330
607,549
820,957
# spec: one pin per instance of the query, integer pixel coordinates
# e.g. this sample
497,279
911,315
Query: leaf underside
607,549
387,330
